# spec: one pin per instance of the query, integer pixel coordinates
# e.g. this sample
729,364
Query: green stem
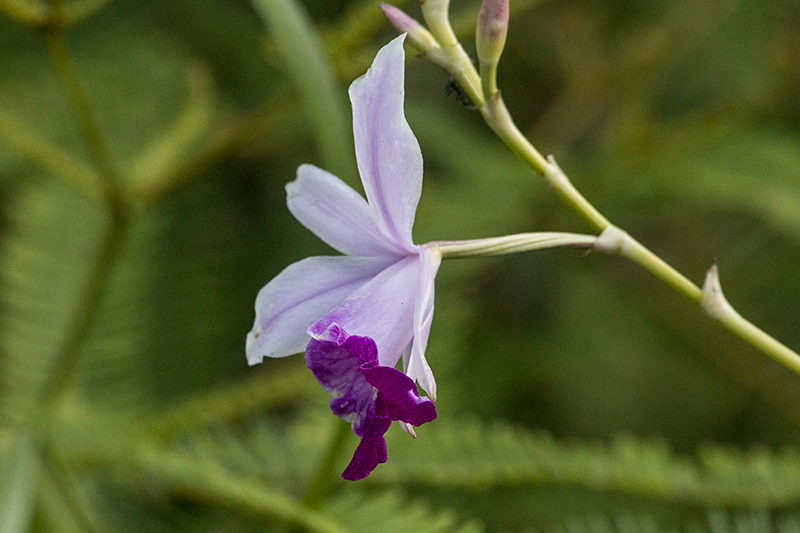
322,484
717,307
662,270
56,45
109,190
499,119
86,309
48,156
465,73
710,298
489,78
758,338
614,240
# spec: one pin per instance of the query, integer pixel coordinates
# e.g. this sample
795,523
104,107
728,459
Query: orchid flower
382,288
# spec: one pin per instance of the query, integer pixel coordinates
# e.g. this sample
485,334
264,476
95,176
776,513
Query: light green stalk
484,93
717,307
511,244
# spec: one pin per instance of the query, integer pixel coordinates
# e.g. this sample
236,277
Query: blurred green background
576,393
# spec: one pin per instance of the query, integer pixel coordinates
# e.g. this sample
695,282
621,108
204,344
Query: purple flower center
366,394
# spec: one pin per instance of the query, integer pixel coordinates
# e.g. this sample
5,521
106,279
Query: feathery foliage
144,147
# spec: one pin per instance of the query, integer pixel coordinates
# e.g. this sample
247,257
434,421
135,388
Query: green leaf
155,341
257,470
35,13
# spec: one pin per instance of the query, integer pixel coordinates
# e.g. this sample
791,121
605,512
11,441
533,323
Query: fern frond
475,455
716,521
259,473
46,251
390,512
246,397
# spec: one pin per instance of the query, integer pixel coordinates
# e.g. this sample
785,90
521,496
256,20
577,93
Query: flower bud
490,34
419,37
437,18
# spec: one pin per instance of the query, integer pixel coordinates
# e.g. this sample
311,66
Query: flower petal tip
253,357
370,453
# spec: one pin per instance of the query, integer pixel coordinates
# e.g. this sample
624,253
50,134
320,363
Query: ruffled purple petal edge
367,394
398,398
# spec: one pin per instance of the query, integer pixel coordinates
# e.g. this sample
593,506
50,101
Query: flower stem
710,298
717,307
615,240
499,119
489,78
511,244
466,75
761,340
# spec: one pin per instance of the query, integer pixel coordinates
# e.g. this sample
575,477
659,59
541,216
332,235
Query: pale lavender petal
382,309
417,368
337,367
388,155
336,213
370,453
299,296
397,395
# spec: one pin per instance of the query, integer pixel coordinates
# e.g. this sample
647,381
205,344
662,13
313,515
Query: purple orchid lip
366,394
383,286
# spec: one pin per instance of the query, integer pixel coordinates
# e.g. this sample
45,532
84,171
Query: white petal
336,213
301,294
418,368
388,154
